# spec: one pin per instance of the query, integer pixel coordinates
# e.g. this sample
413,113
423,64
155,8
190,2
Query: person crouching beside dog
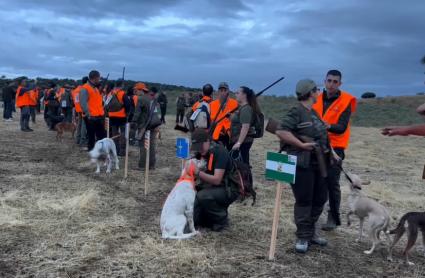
213,197
303,134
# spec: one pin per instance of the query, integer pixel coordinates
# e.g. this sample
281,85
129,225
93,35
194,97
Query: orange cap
141,86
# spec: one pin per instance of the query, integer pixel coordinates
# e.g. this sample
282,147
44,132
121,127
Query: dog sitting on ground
104,149
62,127
178,207
412,222
362,207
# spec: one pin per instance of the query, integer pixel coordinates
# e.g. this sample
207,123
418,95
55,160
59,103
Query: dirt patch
59,219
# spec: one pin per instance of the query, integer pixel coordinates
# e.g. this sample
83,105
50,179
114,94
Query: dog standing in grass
105,149
413,222
62,127
364,207
178,207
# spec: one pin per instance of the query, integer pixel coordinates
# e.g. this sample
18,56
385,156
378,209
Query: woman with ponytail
243,121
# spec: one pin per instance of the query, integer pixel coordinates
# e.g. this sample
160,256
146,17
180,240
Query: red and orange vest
223,127
23,100
120,95
331,116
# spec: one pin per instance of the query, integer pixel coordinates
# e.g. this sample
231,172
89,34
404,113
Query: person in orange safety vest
335,108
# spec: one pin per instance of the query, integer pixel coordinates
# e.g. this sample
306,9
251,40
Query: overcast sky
376,44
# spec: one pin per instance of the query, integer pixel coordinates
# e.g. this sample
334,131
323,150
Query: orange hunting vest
46,95
23,100
120,95
33,97
94,101
76,99
223,127
332,115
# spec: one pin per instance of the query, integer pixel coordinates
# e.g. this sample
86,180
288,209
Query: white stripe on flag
280,167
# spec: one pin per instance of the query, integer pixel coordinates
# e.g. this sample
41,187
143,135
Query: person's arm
212,179
23,91
343,121
84,97
289,138
127,103
421,109
418,130
245,117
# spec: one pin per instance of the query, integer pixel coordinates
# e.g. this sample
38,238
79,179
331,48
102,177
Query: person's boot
317,239
301,245
330,225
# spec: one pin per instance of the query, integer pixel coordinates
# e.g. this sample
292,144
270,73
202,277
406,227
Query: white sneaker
8,120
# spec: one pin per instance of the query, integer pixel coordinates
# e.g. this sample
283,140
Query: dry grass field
59,219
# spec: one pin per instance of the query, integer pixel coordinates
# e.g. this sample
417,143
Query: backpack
200,118
112,104
258,126
153,119
240,177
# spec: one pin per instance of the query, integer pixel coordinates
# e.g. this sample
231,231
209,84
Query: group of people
316,130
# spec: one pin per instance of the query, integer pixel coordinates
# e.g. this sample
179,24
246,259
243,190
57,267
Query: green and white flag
281,167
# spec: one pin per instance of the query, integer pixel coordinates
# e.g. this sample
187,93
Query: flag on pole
281,167
147,139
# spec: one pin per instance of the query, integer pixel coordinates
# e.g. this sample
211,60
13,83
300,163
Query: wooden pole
147,146
127,137
276,216
107,127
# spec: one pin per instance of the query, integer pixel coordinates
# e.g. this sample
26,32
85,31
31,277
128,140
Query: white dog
105,149
178,208
364,207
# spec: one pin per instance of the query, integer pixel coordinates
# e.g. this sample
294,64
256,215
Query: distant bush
420,94
369,95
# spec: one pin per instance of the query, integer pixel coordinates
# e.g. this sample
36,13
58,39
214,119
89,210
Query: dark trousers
32,113
7,112
152,151
118,127
310,194
67,114
95,130
334,189
179,116
25,117
81,138
211,206
163,112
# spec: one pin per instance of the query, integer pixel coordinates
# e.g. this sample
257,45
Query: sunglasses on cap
332,81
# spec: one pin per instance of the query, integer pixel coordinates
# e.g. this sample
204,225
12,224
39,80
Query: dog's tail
400,226
183,236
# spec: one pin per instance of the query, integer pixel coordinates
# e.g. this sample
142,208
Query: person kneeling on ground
213,197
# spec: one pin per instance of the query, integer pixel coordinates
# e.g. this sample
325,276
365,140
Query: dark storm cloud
376,44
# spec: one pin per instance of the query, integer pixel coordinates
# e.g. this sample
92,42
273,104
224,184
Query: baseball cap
304,86
141,86
199,136
223,85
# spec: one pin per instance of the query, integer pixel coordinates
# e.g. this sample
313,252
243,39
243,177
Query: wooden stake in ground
147,146
282,168
127,138
276,216
107,127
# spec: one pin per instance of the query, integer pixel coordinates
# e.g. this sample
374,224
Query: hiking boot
330,225
319,241
220,227
301,246
29,129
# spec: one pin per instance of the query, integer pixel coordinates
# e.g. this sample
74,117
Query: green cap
304,86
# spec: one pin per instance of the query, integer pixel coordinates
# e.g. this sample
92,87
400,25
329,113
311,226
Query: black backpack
258,126
240,177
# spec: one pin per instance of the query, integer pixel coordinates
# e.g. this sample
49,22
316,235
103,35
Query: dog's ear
357,187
